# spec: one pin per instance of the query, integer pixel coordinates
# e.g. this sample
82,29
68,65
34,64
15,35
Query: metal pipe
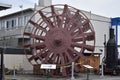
72,77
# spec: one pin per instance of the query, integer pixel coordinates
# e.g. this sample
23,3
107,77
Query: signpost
88,67
48,67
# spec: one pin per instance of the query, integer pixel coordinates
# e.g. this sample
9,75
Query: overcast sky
107,8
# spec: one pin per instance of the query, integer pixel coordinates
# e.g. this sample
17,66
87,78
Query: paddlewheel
58,34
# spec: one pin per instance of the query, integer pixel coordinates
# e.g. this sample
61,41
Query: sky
107,8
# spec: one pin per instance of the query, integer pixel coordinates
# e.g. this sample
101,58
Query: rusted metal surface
59,35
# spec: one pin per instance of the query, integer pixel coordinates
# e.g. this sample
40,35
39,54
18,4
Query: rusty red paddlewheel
59,34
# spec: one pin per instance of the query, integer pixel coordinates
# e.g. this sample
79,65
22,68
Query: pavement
80,77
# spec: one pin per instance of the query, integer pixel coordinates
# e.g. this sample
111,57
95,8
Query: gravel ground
80,77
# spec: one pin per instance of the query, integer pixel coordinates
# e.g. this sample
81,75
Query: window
26,18
8,24
11,23
20,21
2,25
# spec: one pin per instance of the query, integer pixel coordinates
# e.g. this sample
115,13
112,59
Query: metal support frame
48,74
88,72
103,59
2,64
72,76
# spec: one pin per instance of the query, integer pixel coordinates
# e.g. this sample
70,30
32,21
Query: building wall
101,26
20,61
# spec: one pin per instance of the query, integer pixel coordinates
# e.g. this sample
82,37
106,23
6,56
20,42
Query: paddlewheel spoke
37,26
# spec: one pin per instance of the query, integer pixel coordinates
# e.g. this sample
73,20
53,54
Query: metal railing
12,31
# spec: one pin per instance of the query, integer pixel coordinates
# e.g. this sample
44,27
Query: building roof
4,6
18,12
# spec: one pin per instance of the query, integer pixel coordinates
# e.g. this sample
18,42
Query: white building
4,6
12,27
11,32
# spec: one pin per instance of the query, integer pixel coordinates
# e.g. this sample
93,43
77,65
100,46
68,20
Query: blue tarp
115,21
